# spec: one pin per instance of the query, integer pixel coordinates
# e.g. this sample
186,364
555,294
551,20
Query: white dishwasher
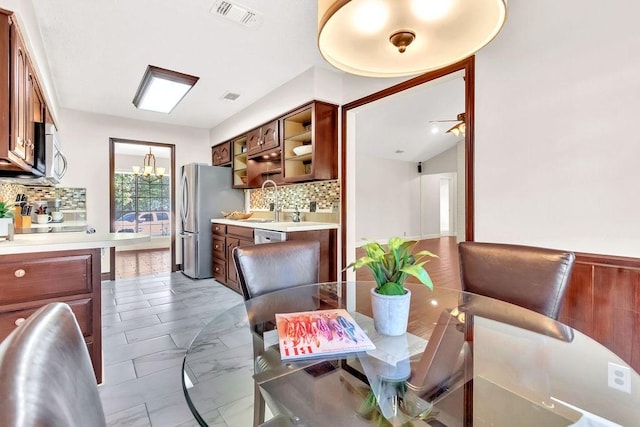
268,236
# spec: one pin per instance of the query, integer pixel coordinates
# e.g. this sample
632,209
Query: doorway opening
142,203
445,206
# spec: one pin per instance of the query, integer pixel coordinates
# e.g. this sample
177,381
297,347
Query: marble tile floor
148,323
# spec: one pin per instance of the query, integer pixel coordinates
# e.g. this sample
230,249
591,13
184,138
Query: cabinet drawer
219,249
241,232
47,277
219,270
218,228
81,308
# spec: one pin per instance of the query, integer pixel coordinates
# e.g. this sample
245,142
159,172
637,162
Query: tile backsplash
71,198
325,194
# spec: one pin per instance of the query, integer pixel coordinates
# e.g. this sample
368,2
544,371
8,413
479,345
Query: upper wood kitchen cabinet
21,99
310,143
221,154
239,152
262,139
264,155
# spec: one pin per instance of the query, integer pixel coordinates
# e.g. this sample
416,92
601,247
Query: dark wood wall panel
603,302
577,308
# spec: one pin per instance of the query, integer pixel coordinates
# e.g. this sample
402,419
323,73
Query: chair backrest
46,378
531,277
273,266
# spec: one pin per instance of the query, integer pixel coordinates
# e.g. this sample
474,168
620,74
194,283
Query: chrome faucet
276,205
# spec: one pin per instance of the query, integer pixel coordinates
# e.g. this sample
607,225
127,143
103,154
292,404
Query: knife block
23,221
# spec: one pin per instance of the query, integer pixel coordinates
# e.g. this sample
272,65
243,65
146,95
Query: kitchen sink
257,220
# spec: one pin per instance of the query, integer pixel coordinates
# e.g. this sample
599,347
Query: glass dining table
465,360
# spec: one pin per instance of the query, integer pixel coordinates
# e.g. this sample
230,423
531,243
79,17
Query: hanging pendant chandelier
393,38
149,167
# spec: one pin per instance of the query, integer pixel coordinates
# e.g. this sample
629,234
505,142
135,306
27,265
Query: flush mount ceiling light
392,38
161,90
149,167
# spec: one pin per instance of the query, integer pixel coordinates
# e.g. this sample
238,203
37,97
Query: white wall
387,199
461,193
442,163
430,205
313,84
557,146
85,142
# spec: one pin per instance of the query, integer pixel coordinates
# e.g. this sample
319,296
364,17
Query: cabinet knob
19,273
19,321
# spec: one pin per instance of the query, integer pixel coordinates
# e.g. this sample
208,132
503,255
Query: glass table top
465,360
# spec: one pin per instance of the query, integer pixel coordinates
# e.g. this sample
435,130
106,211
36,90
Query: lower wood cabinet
219,253
236,236
30,281
224,269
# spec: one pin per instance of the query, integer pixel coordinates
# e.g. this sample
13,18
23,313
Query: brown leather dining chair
274,266
531,277
46,378
267,268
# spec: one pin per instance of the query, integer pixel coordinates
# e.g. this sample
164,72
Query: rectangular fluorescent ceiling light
161,90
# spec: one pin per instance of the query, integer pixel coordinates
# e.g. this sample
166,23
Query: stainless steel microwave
50,164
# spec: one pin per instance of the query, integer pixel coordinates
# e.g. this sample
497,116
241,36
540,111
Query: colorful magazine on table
319,333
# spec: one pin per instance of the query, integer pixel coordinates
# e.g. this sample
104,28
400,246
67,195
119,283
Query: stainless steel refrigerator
205,191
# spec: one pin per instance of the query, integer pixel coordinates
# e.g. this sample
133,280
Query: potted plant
391,265
6,218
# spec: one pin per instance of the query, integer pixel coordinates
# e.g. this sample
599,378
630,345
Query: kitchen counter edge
285,226
29,243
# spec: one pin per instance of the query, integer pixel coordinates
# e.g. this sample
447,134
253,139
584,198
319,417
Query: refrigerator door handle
184,207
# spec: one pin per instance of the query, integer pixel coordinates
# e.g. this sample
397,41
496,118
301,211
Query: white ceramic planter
390,312
4,226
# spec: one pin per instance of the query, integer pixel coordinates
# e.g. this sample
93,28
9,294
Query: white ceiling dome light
393,38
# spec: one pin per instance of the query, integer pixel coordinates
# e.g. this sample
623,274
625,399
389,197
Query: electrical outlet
272,206
619,377
313,206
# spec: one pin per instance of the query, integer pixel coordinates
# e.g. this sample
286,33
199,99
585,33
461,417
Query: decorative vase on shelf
390,312
390,265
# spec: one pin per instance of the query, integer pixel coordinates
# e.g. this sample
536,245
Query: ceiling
401,127
97,53
99,50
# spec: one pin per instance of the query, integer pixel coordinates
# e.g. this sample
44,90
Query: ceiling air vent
237,13
230,96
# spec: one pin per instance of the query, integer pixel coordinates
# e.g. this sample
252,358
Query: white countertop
46,242
286,226
59,224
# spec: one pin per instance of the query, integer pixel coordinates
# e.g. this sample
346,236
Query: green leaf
391,288
419,273
425,253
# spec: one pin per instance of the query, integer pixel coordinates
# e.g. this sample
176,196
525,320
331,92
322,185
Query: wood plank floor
444,271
